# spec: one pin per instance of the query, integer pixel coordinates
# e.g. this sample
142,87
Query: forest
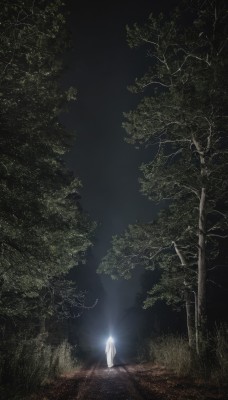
180,120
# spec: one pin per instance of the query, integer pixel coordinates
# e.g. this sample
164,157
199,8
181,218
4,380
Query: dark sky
101,66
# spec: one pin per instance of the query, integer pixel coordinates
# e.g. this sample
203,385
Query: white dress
110,351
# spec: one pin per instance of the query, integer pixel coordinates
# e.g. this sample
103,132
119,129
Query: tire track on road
88,380
109,384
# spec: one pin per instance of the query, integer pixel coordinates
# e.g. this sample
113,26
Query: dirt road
128,381
111,383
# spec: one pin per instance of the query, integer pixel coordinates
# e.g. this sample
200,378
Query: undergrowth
173,353
26,365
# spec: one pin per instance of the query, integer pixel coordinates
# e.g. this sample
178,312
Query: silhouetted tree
182,114
44,232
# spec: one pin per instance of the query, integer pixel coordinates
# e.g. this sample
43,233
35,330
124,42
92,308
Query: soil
128,381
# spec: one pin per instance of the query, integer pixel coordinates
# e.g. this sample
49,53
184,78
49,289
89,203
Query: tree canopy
44,232
182,116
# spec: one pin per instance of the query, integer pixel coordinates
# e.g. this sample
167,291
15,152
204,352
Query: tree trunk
196,322
202,272
201,310
190,314
188,304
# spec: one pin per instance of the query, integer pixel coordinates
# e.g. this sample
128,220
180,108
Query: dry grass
30,363
173,353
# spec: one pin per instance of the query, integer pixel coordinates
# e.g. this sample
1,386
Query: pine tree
44,232
182,115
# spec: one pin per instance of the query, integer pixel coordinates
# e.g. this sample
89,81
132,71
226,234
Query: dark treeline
181,116
44,232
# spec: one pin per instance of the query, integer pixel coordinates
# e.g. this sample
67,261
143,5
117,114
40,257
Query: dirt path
108,382
128,381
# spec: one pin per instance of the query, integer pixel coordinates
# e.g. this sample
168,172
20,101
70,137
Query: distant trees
44,232
182,114
162,244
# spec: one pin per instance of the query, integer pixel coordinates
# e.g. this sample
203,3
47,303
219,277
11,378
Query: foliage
221,348
182,117
44,232
183,114
32,362
173,352
150,245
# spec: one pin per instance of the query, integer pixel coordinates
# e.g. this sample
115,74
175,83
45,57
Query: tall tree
159,245
182,114
44,232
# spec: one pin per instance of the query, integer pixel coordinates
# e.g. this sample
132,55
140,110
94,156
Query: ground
128,381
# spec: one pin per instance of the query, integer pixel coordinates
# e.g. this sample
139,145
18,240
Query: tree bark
202,275
202,270
196,322
190,320
189,305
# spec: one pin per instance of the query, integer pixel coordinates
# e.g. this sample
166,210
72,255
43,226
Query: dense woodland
181,116
44,232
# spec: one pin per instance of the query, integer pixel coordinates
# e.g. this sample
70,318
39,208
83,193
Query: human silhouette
110,351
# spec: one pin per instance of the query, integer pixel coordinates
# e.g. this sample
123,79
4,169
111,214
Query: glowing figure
110,351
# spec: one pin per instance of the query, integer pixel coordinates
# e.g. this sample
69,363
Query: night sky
101,66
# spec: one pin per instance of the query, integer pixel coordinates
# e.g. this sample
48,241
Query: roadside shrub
173,353
29,363
143,351
170,351
221,349
62,360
